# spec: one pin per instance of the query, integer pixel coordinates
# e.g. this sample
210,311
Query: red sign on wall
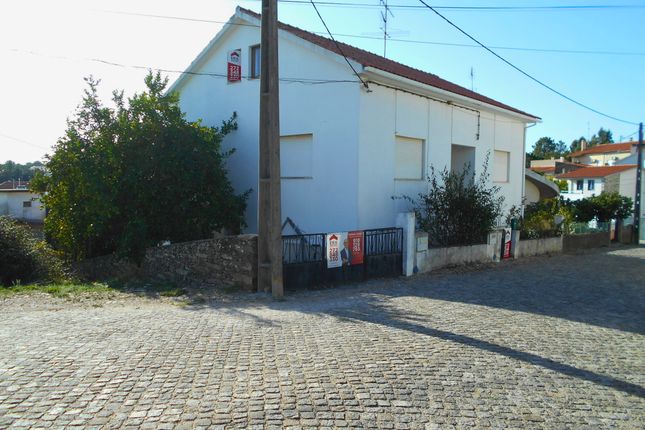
506,249
234,66
356,241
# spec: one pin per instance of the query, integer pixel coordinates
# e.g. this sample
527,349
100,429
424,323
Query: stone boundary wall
584,241
531,247
222,261
436,258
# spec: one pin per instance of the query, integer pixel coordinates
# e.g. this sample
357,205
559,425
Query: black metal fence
304,263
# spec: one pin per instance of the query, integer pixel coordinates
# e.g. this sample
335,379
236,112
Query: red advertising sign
506,249
355,242
234,68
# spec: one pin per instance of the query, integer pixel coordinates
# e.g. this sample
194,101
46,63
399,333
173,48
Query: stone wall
529,248
223,261
585,241
436,258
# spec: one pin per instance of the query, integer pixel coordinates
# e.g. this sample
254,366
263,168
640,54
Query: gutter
427,90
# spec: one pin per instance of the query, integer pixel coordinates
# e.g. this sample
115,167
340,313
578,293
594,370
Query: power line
307,81
358,36
354,5
23,141
338,46
523,72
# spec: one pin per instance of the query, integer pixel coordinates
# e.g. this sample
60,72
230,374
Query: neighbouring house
591,181
348,148
538,187
602,155
18,202
551,168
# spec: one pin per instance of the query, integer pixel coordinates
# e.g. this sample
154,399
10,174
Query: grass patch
167,290
58,290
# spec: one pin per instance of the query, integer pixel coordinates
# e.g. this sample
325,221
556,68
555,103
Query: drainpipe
524,166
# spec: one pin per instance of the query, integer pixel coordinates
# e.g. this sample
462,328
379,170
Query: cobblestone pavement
549,342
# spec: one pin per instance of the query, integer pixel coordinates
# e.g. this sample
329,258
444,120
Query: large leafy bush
126,177
23,258
458,208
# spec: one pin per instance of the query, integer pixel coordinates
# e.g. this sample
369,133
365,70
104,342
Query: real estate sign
506,243
344,248
234,68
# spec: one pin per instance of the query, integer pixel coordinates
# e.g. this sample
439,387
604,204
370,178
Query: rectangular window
580,185
408,158
296,156
591,184
255,62
26,204
501,166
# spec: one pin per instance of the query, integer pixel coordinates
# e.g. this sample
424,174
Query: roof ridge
373,59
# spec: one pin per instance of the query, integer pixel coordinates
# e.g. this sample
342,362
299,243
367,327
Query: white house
591,181
18,202
602,155
346,149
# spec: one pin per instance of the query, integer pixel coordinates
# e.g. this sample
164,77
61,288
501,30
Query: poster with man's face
344,248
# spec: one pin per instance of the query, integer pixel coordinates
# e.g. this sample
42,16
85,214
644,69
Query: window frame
580,185
591,184
508,167
255,65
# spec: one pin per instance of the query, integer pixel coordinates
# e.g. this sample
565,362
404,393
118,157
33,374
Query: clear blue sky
45,50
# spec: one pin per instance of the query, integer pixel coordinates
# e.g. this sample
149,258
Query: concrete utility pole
639,189
269,214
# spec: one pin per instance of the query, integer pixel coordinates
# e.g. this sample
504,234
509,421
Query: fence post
407,222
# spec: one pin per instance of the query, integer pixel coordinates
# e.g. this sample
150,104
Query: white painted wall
574,194
328,112
386,113
353,133
531,192
12,204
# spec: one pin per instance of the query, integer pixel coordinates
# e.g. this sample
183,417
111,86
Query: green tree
546,148
601,138
603,207
126,177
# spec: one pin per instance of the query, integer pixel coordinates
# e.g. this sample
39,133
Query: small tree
458,209
603,207
127,177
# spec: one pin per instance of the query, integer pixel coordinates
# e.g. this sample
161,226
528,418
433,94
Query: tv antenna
384,17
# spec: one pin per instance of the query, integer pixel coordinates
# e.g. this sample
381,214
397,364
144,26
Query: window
580,185
408,158
591,184
500,166
255,61
296,156
26,204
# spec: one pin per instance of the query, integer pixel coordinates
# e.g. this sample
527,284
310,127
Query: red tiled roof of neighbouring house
605,149
543,169
13,185
368,59
595,172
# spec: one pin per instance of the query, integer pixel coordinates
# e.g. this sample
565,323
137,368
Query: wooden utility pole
639,189
269,214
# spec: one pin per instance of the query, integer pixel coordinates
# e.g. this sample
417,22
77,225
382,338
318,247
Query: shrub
23,258
458,209
539,219
603,207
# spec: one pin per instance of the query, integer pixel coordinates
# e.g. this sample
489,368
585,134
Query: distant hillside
10,170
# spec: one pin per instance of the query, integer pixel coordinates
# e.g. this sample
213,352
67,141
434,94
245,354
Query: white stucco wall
574,194
531,192
353,133
386,113
12,204
329,112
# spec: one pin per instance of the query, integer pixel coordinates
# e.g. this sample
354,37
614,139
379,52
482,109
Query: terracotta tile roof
595,172
12,185
606,148
368,59
543,169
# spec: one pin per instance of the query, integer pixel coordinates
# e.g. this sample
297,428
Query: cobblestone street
548,342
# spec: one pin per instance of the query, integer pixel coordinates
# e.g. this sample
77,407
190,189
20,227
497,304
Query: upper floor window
591,184
255,61
580,184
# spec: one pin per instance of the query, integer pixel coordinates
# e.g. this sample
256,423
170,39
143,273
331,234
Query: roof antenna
384,16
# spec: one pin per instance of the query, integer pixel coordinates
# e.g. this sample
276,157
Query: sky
47,48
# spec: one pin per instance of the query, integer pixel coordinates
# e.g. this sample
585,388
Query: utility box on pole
269,214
